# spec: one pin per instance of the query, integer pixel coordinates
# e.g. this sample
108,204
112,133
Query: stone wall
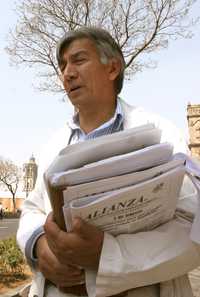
193,117
8,203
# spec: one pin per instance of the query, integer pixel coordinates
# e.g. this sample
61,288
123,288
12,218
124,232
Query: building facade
30,170
193,117
7,202
27,184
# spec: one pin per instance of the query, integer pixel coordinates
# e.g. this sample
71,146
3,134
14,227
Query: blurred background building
193,117
30,170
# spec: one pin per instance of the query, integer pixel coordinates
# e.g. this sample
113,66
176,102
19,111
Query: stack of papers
123,183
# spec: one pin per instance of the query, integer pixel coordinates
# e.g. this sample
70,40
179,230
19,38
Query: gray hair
105,45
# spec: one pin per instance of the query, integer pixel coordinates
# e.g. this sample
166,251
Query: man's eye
80,60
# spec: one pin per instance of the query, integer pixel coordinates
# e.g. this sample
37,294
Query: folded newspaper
123,183
130,209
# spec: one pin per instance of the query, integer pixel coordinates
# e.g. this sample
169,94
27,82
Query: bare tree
10,176
139,26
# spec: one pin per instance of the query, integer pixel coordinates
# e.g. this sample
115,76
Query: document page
193,170
117,182
136,208
82,153
118,165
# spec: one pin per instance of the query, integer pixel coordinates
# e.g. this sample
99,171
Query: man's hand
82,246
61,275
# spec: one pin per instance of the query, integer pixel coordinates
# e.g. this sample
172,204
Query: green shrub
11,258
11,215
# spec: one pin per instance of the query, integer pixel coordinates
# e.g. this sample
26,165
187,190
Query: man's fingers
83,229
53,233
81,246
51,228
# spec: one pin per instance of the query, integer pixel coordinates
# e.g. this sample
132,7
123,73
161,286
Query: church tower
30,175
193,117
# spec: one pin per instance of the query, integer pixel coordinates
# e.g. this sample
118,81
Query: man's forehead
78,46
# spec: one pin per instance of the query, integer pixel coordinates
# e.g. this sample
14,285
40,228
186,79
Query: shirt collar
73,122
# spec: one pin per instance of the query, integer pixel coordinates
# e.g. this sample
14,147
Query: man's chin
77,101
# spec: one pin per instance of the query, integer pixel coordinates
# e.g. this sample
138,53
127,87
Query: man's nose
70,72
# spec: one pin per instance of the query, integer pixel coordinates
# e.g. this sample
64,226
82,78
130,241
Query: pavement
8,228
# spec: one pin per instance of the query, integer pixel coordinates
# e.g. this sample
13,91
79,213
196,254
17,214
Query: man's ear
114,68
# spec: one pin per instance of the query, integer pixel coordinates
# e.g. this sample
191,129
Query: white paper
117,165
193,170
117,182
136,208
80,154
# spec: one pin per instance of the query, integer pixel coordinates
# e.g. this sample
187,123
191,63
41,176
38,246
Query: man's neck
89,120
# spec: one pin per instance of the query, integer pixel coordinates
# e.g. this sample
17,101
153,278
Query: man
143,264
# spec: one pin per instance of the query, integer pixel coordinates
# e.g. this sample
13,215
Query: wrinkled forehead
74,46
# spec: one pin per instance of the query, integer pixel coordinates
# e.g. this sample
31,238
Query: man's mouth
74,89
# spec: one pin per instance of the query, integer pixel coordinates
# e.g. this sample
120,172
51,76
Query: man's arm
37,206
33,216
131,261
31,237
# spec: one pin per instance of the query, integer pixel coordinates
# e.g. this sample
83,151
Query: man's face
86,80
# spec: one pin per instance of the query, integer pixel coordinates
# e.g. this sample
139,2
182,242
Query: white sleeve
37,206
33,215
130,261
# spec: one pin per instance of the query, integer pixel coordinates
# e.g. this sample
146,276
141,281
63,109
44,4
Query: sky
28,118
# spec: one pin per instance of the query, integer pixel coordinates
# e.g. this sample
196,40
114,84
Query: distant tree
140,28
10,175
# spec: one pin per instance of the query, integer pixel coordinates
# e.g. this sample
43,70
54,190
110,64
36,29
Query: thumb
51,228
84,229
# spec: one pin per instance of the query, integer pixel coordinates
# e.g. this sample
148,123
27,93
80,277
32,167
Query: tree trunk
14,203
